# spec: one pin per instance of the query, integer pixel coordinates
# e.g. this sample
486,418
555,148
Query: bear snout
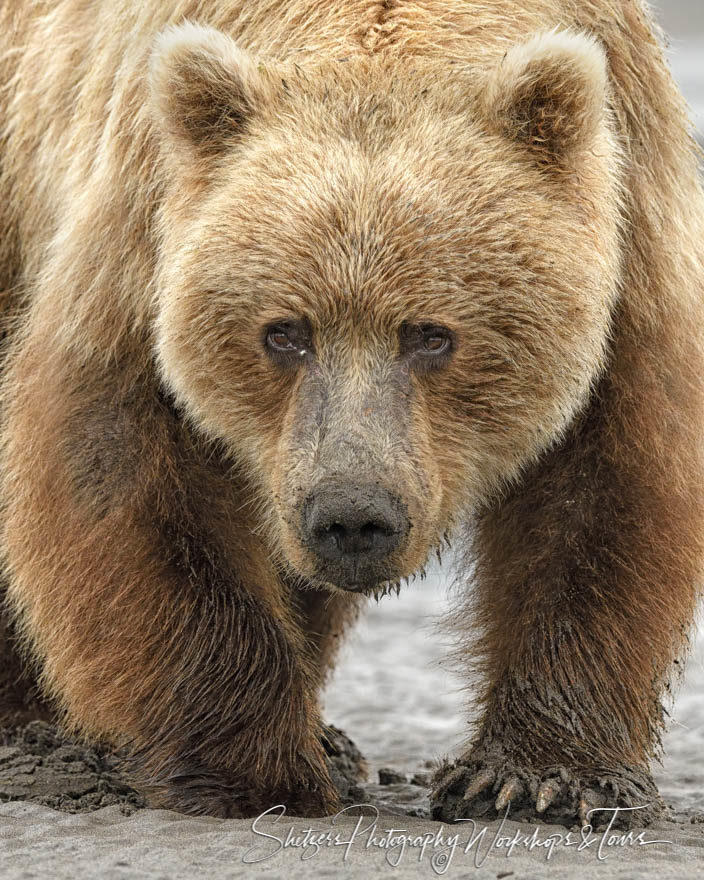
353,530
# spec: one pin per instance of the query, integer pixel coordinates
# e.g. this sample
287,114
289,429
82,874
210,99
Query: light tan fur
177,176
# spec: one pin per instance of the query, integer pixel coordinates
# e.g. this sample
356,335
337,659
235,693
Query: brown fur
363,166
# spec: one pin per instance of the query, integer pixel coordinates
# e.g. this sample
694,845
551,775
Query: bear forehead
352,219
380,186
378,246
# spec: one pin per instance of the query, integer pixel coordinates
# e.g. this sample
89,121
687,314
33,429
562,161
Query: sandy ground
38,842
396,697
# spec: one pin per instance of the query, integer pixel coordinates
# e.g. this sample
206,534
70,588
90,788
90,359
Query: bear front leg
325,617
586,579
142,593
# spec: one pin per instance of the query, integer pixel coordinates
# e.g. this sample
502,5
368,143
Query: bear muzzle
354,531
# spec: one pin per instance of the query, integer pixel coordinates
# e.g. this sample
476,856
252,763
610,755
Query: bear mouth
376,589
368,577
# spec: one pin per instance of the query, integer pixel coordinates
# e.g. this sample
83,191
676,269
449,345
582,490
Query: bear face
342,267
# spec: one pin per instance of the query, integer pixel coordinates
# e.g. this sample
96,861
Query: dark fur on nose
352,529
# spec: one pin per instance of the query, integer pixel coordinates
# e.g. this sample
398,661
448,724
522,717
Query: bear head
386,283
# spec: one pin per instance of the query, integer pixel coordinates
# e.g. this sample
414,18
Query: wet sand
157,844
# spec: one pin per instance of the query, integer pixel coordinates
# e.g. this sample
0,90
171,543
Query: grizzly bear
295,293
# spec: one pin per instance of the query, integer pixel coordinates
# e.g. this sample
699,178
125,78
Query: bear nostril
371,532
337,533
353,539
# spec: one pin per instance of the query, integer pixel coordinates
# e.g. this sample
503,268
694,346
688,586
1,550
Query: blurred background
683,23
394,692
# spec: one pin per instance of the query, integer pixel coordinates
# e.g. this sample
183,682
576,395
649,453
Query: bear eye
278,339
436,342
428,345
287,342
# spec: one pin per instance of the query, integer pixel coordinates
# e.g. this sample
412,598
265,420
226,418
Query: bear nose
353,524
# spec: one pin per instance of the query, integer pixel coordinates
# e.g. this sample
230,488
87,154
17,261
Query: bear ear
204,88
549,94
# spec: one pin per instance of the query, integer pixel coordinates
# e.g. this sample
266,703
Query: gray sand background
395,695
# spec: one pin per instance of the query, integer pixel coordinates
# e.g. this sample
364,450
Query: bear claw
548,791
509,792
481,787
479,783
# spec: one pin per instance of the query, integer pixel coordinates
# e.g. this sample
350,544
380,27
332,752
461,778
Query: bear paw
478,785
213,796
